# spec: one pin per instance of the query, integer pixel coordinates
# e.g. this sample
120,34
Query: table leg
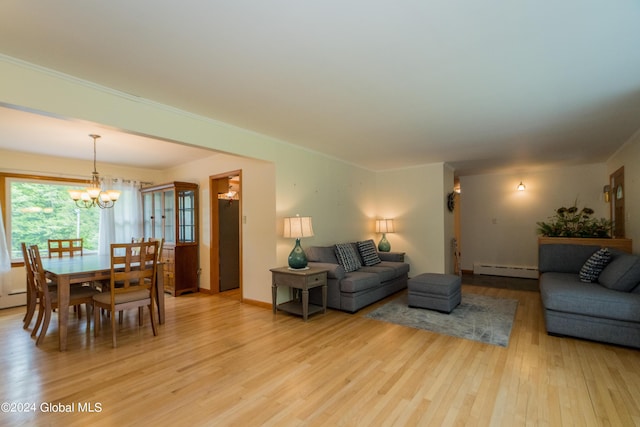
324,299
274,296
305,304
160,293
63,311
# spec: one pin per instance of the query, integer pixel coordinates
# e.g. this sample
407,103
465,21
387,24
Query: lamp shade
297,227
384,226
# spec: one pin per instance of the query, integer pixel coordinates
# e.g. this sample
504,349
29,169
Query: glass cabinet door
147,214
169,217
170,211
157,216
186,216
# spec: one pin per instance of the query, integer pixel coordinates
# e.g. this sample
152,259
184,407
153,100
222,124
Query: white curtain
124,221
5,259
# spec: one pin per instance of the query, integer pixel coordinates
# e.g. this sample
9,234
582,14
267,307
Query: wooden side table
303,280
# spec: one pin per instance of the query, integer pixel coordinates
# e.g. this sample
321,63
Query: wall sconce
297,227
521,186
384,226
606,191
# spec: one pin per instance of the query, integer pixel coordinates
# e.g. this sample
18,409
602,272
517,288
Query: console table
302,280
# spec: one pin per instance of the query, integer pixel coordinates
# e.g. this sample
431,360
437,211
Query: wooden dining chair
133,283
32,293
65,247
159,249
61,248
48,297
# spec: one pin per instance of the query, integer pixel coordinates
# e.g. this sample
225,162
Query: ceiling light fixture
93,195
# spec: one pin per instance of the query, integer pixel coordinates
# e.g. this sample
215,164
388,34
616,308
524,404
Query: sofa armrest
391,256
334,271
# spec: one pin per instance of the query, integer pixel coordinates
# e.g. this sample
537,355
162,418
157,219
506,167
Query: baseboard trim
257,303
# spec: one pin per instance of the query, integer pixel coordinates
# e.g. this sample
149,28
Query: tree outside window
43,210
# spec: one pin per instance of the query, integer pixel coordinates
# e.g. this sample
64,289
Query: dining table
87,268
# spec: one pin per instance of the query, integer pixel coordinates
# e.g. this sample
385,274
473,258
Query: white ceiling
384,84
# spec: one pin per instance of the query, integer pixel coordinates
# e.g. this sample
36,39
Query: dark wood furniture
171,213
302,280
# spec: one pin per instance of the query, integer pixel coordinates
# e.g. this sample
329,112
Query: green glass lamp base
297,257
384,245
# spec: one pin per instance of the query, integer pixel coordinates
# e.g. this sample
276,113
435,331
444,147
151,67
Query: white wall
629,157
14,162
258,207
416,199
498,223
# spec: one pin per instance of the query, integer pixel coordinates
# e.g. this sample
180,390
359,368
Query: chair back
65,247
31,285
37,270
159,249
133,268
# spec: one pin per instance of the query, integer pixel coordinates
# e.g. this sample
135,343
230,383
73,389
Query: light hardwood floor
219,362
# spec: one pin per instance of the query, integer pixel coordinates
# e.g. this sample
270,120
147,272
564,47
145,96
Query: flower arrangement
575,222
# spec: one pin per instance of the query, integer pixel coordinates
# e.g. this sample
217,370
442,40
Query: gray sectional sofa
606,310
359,278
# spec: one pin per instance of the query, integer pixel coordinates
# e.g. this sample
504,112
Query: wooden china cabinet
171,212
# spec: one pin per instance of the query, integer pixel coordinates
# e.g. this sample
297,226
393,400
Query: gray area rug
478,317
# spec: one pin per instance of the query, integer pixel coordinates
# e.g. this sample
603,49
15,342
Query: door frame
616,206
214,243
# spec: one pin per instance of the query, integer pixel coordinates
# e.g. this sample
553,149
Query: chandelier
93,194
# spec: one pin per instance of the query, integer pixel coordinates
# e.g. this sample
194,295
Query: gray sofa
371,280
606,310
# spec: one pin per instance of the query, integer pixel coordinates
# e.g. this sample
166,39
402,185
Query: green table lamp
384,226
298,227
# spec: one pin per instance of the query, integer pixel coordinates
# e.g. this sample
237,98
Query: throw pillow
348,257
594,265
369,253
622,273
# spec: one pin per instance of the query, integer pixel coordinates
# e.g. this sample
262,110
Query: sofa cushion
348,256
564,258
594,265
357,281
321,254
334,270
622,273
400,268
385,273
368,252
564,292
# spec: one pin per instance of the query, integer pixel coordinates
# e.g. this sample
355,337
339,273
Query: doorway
226,234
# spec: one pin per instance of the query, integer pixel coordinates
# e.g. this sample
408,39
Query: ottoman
440,292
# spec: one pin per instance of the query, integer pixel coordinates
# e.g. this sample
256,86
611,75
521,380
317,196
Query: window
39,208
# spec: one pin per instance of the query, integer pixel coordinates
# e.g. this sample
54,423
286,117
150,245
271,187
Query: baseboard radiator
505,270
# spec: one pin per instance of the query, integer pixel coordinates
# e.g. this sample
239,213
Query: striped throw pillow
594,265
348,256
368,253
